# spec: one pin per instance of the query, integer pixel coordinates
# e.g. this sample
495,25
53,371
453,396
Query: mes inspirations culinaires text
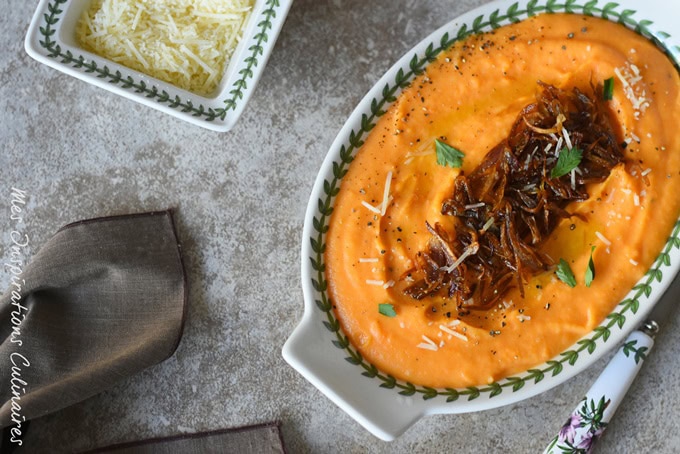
14,266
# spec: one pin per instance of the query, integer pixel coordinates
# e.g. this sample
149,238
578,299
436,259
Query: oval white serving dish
319,350
51,39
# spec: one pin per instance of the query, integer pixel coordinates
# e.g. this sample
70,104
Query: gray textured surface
240,197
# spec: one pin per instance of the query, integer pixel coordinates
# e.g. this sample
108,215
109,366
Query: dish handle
383,412
587,422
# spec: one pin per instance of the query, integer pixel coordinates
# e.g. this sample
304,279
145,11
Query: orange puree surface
470,97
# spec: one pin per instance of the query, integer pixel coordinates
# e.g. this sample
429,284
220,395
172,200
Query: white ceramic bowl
319,350
51,40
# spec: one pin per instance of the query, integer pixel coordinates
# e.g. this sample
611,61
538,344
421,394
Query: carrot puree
469,97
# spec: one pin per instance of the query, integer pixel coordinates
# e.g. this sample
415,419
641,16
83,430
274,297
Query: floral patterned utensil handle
589,420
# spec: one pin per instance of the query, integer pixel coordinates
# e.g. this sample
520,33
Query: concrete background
240,198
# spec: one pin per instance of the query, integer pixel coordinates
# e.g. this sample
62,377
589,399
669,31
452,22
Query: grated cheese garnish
630,76
603,239
370,207
428,344
611,195
388,284
427,339
633,262
453,333
567,139
487,225
187,43
368,260
446,329
386,193
374,282
470,250
462,337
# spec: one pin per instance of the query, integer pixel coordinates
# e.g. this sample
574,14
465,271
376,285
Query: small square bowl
51,39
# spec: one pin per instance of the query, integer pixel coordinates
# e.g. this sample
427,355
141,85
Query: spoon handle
590,418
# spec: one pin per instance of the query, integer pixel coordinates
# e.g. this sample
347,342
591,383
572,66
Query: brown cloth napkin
259,439
102,300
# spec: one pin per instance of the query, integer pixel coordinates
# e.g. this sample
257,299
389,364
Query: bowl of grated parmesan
198,60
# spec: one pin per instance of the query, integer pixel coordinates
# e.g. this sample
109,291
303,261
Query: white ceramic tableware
319,350
51,39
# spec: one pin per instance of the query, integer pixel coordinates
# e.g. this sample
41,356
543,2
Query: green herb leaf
387,310
608,92
447,155
566,162
565,274
590,271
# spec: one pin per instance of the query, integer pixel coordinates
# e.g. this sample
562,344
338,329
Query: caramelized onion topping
510,203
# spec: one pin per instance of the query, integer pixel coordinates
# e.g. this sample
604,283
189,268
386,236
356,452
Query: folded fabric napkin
102,300
259,439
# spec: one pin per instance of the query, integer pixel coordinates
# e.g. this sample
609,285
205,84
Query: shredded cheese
368,260
487,225
386,193
186,43
453,333
631,79
567,139
375,282
603,239
611,195
388,284
370,207
470,250
475,205
428,344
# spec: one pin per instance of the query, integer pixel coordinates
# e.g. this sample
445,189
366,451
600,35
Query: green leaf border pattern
54,50
252,60
402,79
